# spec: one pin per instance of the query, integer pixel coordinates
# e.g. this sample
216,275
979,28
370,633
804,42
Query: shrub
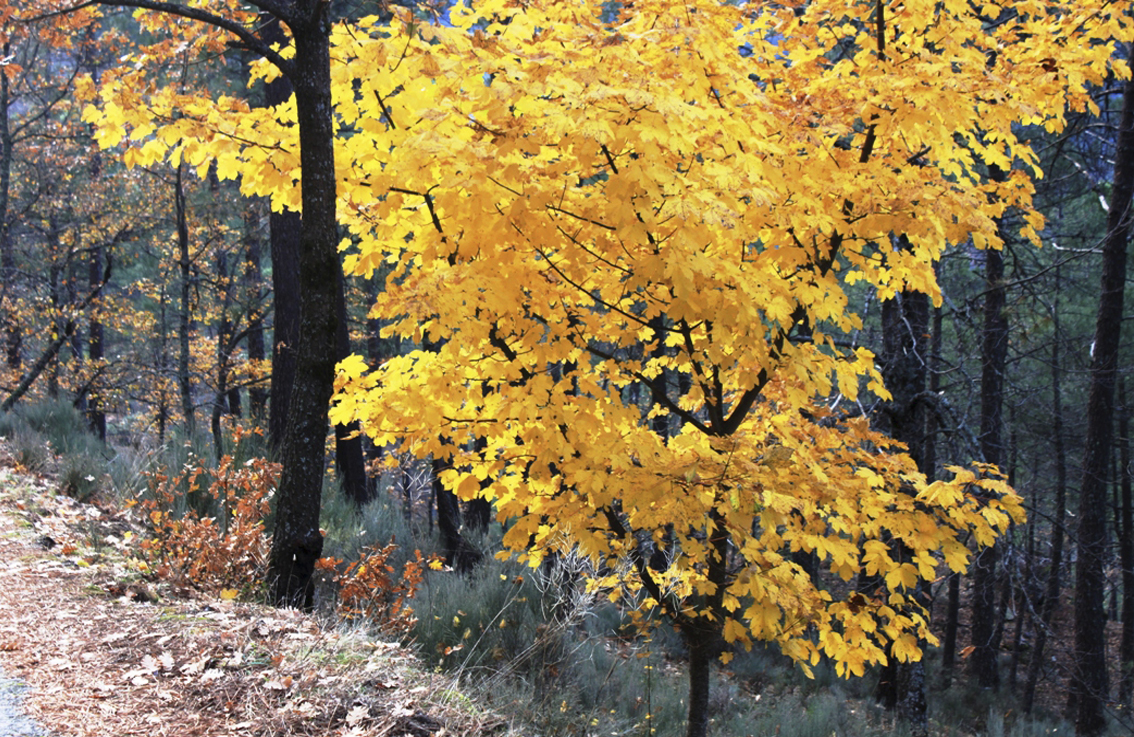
81,476
229,553
367,589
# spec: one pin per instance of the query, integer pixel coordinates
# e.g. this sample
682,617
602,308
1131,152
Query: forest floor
103,652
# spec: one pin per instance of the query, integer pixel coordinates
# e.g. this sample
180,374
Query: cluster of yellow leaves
226,554
580,209
597,221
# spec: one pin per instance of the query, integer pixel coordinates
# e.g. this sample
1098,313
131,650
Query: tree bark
1089,673
349,458
12,335
184,380
1059,505
994,355
96,410
905,369
284,230
460,555
701,653
953,590
297,542
162,361
223,354
56,276
253,295
1126,553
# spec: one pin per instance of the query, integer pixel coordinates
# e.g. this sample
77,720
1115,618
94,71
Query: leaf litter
105,652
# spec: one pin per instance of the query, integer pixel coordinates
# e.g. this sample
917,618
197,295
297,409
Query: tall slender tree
994,356
1054,581
1126,550
1089,672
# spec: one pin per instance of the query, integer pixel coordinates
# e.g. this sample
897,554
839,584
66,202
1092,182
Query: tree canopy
627,239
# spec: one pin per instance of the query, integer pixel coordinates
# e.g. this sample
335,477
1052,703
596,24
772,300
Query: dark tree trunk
1053,583
702,650
1019,585
96,411
223,357
377,350
953,590
349,458
12,336
905,368
184,380
1020,609
296,541
63,334
56,276
1089,672
702,636
952,621
478,512
459,554
253,295
994,356
1126,554
162,361
284,230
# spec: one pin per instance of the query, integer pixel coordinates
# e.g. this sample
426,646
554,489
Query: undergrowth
52,436
227,552
529,643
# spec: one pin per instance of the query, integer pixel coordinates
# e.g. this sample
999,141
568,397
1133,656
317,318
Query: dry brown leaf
357,714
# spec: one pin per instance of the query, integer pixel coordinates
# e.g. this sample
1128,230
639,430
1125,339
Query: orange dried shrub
228,552
368,589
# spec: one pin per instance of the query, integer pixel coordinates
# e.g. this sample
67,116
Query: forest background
145,292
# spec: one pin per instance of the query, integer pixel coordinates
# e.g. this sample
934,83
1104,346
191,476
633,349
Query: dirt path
103,653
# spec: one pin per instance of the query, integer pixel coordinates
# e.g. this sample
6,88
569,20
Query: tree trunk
12,335
1059,505
62,335
1126,554
96,411
701,653
59,325
994,355
1089,673
297,542
223,354
284,230
952,621
953,591
459,554
905,368
184,380
253,296
349,458
162,368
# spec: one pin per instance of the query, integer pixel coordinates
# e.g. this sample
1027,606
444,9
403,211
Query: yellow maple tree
627,233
